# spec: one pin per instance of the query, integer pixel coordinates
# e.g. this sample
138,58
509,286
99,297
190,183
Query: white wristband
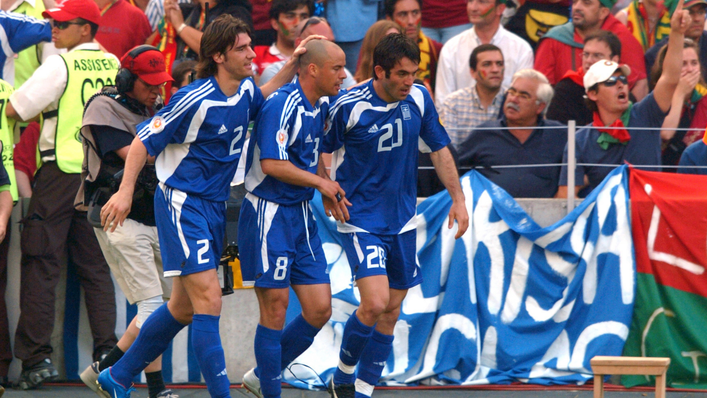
181,28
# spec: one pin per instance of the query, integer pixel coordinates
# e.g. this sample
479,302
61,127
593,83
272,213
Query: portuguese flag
669,217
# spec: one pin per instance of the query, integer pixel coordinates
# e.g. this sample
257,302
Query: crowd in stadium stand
506,76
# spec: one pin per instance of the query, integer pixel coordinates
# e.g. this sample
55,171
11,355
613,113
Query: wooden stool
602,366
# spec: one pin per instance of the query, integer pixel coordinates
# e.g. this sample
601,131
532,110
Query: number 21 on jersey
391,138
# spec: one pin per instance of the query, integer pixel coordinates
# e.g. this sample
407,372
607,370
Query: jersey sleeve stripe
174,113
419,99
182,104
5,43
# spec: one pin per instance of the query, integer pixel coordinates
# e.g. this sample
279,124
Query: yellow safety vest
88,72
27,60
7,129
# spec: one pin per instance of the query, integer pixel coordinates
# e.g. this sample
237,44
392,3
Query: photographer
132,250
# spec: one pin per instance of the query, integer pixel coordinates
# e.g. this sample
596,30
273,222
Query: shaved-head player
276,223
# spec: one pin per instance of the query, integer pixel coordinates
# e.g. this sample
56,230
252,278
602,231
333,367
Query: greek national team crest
406,111
509,301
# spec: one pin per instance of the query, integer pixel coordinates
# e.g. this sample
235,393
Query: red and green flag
669,223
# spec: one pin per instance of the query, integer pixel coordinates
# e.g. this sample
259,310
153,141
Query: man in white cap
606,85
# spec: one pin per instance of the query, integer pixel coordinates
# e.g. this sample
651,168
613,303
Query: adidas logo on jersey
222,130
373,129
308,139
222,373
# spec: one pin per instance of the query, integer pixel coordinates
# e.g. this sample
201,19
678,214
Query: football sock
154,337
372,363
113,356
267,354
206,342
356,336
296,338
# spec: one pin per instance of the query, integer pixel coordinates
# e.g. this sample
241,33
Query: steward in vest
132,251
8,192
54,229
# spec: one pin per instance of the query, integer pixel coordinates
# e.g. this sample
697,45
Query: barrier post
571,164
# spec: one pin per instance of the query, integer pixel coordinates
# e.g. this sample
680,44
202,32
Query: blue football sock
373,361
154,337
356,336
267,354
296,338
206,342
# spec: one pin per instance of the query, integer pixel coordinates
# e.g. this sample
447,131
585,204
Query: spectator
406,13
285,15
688,112
694,155
531,19
306,28
453,69
30,58
469,107
560,50
122,26
696,32
189,30
512,142
374,35
8,195
5,212
182,74
132,251
647,20
350,20
568,102
606,85
263,32
442,19
53,226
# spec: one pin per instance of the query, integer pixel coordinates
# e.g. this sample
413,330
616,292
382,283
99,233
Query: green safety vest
7,127
88,72
27,60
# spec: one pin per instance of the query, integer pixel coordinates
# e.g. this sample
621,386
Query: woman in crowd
687,119
374,35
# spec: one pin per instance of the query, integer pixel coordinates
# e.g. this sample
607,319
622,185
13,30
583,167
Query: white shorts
132,252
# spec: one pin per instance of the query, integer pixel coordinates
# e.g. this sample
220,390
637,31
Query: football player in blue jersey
375,132
197,140
276,222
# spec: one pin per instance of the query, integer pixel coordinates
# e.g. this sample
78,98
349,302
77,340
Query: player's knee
318,316
372,308
147,307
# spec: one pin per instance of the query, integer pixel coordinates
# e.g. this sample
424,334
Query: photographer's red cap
72,9
148,66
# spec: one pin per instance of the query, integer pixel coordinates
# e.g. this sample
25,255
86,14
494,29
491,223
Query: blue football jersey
288,127
375,147
198,137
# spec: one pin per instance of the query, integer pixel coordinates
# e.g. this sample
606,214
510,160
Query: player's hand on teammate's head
301,50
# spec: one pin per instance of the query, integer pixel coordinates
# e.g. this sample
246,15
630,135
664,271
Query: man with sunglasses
606,85
58,91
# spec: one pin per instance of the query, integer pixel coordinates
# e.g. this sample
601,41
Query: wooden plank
629,370
629,361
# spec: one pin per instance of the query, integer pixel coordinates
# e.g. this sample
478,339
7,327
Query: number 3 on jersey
390,139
